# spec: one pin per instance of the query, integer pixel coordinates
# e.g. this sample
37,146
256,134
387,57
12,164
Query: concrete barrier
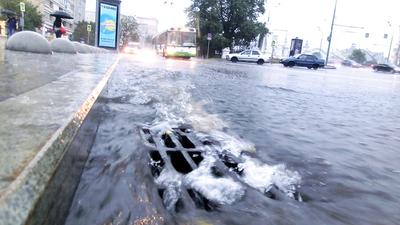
79,48
28,41
62,45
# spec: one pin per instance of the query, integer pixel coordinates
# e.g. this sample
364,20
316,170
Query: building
90,16
76,8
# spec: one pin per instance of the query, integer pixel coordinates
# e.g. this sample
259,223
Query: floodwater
305,147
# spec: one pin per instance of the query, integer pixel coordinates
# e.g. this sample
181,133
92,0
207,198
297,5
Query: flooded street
212,142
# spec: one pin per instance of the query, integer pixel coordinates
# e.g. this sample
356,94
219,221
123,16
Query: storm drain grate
181,150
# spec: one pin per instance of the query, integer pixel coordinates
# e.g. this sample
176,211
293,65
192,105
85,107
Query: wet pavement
211,142
40,94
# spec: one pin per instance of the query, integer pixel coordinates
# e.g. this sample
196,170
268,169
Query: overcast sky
308,19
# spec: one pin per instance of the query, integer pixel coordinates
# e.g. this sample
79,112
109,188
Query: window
303,57
255,53
310,58
245,53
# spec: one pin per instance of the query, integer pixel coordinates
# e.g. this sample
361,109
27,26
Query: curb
20,198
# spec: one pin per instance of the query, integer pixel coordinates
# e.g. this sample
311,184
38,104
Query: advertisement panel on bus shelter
108,17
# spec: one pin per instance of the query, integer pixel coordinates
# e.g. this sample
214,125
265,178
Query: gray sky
308,19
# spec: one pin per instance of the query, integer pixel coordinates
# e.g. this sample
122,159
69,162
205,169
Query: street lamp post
330,35
197,11
390,45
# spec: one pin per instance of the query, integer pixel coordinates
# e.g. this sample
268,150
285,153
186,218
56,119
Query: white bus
176,42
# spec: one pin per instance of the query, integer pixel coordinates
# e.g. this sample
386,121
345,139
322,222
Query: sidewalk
43,101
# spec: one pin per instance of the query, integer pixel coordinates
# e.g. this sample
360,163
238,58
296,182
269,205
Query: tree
358,55
234,22
33,18
81,34
129,30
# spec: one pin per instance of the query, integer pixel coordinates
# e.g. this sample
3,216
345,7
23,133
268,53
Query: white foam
232,144
171,181
222,190
262,176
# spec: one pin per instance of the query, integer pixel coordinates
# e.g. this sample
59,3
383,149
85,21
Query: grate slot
196,157
179,162
202,202
157,163
231,163
184,140
168,141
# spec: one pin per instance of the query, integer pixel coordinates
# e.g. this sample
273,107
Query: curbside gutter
18,201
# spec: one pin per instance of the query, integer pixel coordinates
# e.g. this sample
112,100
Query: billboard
107,31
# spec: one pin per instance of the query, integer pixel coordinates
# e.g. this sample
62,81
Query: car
132,48
247,56
350,63
303,60
386,68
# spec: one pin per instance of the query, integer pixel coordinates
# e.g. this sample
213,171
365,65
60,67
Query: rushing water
314,147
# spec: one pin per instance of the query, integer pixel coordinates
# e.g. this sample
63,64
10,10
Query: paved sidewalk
43,101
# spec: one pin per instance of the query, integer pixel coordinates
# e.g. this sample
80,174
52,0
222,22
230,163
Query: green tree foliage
232,22
81,34
129,30
358,55
33,18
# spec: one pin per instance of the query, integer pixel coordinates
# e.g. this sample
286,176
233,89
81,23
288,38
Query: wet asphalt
329,136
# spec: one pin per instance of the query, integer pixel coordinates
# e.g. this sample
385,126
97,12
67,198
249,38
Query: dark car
304,60
386,68
350,63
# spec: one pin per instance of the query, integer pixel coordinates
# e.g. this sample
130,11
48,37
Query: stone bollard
80,48
62,45
28,41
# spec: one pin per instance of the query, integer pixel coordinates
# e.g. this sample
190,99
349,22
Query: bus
176,42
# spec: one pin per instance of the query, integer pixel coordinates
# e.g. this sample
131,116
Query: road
269,145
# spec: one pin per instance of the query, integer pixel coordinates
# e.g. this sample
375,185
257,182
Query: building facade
76,8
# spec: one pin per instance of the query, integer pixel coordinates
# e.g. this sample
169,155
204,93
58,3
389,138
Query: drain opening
161,193
185,128
217,172
196,157
202,202
179,162
231,164
149,138
184,140
156,163
168,140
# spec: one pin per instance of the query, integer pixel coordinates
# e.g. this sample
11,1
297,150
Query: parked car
386,68
351,63
304,60
247,56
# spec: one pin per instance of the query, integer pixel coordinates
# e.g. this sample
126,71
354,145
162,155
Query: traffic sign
209,36
22,6
89,28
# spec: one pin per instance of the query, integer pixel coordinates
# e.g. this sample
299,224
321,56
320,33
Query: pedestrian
1,28
57,27
11,26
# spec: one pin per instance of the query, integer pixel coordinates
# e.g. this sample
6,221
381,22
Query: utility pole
209,37
22,19
391,42
330,35
197,11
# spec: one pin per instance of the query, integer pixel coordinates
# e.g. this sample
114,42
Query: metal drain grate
182,151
